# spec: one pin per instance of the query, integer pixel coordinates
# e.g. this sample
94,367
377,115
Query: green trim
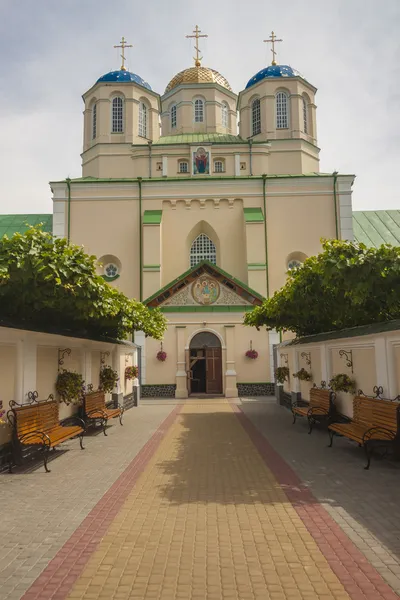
152,268
107,278
371,329
256,266
335,203
198,138
217,269
139,180
265,231
236,308
253,215
11,224
68,181
152,217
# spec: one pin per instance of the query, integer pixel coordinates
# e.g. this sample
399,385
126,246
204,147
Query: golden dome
198,74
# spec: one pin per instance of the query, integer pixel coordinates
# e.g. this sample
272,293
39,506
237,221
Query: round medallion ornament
205,290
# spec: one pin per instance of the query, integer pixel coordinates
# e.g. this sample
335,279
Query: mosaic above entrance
206,291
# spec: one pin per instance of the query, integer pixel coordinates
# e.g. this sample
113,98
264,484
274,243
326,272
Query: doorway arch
205,364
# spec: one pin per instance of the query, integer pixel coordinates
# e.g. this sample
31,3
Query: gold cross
123,45
272,40
197,35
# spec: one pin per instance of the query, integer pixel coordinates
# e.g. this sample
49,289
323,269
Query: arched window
142,120
173,117
255,117
183,166
117,115
224,115
94,121
305,116
282,111
202,249
198,111
294,264
219,166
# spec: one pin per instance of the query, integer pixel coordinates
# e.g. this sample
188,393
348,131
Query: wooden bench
94,409
375,424
321,408
36,426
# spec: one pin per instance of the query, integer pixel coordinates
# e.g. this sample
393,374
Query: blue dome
124,76
273,71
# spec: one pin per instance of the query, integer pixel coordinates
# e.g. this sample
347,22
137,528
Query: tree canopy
48,283
346,285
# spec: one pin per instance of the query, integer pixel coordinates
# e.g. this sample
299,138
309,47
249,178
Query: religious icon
201,162
205,290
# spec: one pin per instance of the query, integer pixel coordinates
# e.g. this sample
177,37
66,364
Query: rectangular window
183,167
256,117
282,120
117,115
199,111
218,166
94,122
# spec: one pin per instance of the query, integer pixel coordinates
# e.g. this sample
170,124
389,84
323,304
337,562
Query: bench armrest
73,420
24,439
317,410
379,433
96,413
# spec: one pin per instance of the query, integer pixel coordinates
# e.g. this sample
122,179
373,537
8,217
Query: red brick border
359,578
58,578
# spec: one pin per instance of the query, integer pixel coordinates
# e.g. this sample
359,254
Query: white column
230,373
181,376
165,166
26,368
237,165
381,365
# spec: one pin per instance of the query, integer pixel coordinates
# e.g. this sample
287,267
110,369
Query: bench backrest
41,416
321,397
376,412
94,400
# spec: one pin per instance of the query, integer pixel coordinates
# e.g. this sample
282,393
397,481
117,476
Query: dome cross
123,45
197,35
272,40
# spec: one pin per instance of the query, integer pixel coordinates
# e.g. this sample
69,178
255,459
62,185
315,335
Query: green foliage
303,375
70,386
342,383
346,285
281,374
108,378
47,283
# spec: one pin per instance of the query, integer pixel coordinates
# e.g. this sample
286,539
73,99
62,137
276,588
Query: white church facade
198,201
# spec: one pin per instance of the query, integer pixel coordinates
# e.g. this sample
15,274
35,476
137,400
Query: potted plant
282,374
131,372
2,413
70,386
303,375
108,378
161,355
342,383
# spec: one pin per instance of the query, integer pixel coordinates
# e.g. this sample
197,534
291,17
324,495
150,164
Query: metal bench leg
331,434
45,458
104,425
294,418
120,417
81,440
368,453
311,424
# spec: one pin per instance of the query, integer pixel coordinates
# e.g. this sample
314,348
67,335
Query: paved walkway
207,509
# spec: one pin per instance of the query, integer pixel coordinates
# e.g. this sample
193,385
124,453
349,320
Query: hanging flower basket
108,378
161,355
342,383
2,413
282,374
131,372
70,387
252,354
303,375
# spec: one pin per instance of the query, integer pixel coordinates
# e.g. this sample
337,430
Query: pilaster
26,368
181,375
230,373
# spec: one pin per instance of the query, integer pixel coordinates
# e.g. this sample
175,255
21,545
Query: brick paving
205,500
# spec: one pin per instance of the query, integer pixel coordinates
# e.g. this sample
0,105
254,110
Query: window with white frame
202,249
282,111
219,166
198,111
305,116
183,166
142,120
173,117
294,264
224,115
94,121
117,115
255,117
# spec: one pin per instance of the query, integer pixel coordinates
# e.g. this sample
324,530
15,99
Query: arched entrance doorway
205,364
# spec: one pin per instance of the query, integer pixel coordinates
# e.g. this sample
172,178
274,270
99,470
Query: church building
199,200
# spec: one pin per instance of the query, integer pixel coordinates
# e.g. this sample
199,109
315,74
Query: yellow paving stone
207,520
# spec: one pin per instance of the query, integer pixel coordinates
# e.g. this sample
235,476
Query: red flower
252,354
161,355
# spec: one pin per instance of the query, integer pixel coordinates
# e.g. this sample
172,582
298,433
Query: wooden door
214,370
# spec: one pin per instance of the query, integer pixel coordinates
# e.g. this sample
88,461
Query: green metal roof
10,224
377,227
253,215
200,138
152,217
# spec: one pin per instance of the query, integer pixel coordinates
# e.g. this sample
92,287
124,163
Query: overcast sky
51,51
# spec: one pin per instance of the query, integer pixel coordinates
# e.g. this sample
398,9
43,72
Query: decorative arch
209,330
293,258
209,231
